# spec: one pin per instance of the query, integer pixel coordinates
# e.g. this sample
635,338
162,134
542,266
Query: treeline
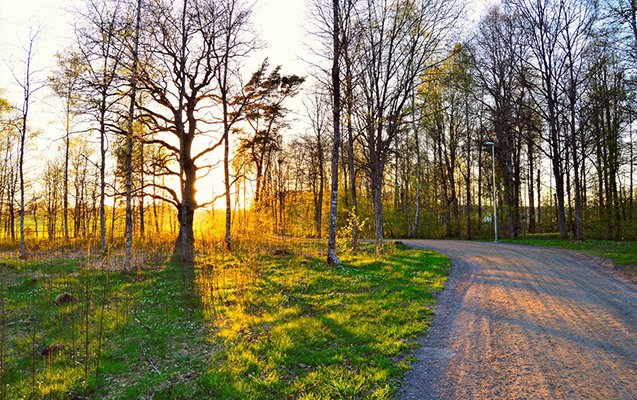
155,96
550,84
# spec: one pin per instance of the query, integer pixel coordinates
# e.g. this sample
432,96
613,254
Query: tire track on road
526,322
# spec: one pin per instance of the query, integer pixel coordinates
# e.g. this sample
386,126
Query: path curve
522,322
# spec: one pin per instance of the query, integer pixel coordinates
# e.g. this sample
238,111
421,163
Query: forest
156,97
179,146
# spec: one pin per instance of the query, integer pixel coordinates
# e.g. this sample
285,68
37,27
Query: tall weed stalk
100,328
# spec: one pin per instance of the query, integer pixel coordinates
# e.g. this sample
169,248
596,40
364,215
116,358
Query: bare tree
350,29
332,258
180,77
400,42
496,67
98,32
65,84
542,23
130,135
234,43
575,41
29,83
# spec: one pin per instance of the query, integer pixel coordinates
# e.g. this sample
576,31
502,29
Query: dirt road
521,322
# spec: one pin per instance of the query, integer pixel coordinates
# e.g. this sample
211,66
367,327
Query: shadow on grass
310,331
273,327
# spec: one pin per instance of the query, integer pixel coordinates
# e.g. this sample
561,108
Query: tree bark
350,155
377,195
530,186
129,143
332,258
184,250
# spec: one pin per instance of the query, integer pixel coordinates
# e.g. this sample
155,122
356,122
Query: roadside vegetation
269,321
622,253
177,140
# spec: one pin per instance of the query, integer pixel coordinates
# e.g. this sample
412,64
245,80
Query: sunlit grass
270,321
310,331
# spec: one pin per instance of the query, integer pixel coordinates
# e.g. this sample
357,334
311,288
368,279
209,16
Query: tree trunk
418,167
129,145
632,171
377,195
332,259
226,172
530,187
23,251
184,250
578,231
468,176
480,182
102,174
350,158
142,190
556,162
226,152
65,216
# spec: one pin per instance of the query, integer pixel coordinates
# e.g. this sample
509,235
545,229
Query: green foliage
621,252
344,233
254,325
311,331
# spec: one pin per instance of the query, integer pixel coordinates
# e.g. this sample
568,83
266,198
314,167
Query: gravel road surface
522,322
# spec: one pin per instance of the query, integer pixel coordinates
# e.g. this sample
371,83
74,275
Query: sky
279,23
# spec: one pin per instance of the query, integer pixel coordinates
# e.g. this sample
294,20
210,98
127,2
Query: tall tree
98,32
575,40
332,258
179,77
263,108
234,42
399,43
65,83
134,61
350,30
29,83
496,56
542,23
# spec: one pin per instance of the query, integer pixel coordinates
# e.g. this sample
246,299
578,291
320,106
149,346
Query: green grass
621,252
252,326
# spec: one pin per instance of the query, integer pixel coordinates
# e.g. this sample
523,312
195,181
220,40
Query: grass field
622,253
274,324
